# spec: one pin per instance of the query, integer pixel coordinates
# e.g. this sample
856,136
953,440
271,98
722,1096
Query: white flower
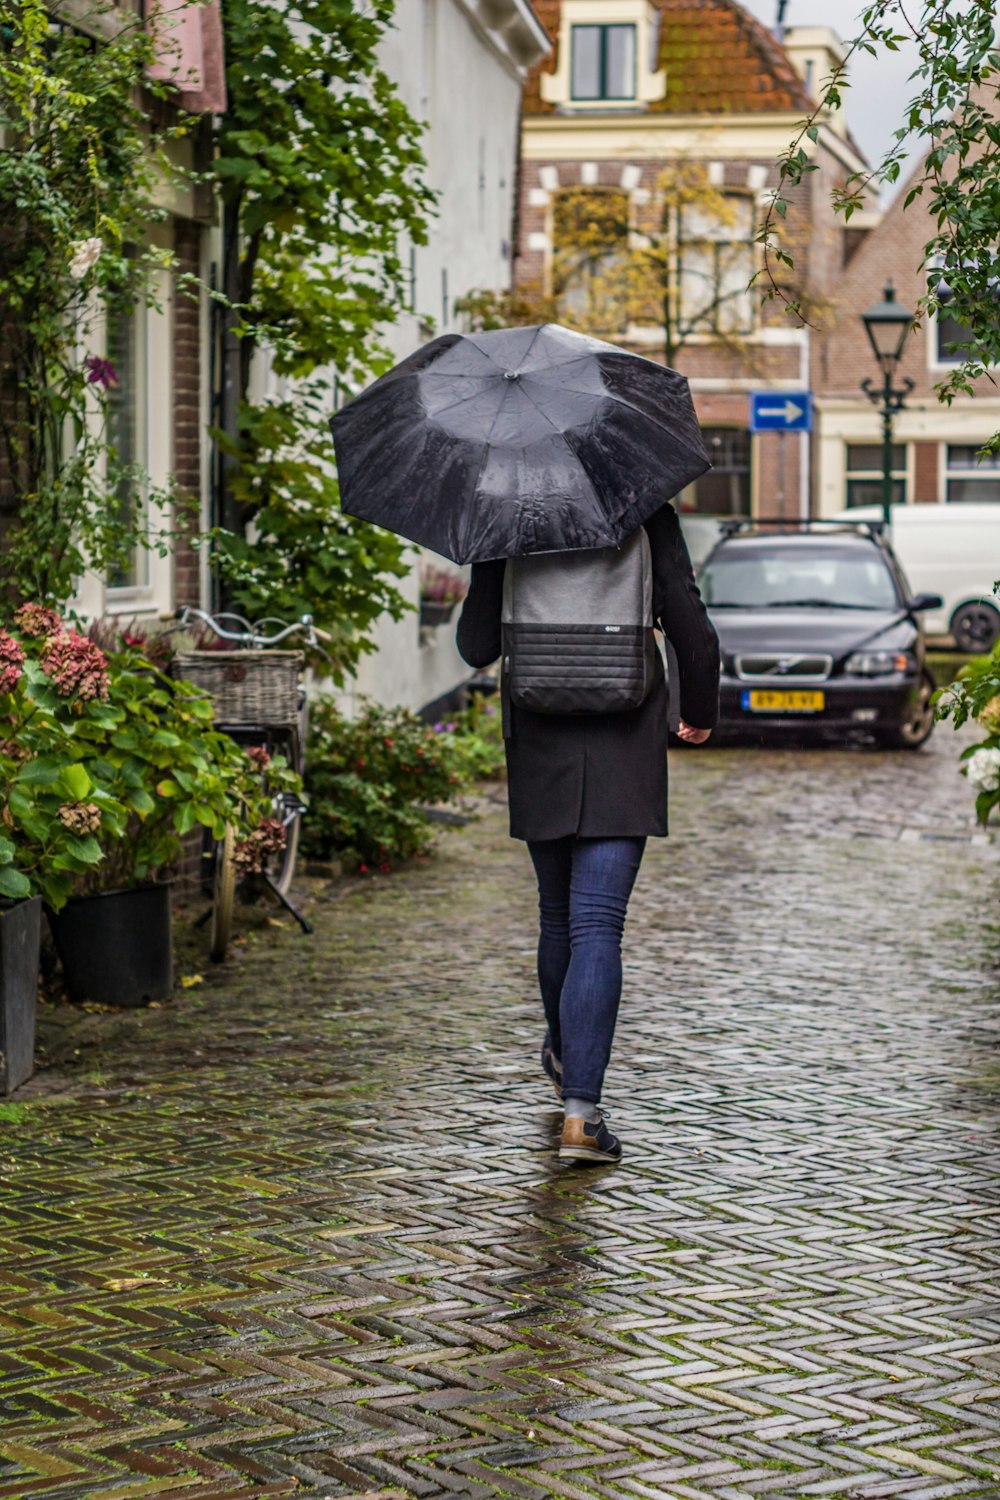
86,253
983,770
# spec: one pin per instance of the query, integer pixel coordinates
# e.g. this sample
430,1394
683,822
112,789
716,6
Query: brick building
935,445
636,87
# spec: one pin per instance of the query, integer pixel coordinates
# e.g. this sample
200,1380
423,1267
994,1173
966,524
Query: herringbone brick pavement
303,1231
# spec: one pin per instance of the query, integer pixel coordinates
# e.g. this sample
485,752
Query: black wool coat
603,775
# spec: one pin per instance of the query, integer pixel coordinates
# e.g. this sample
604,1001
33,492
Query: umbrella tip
511,374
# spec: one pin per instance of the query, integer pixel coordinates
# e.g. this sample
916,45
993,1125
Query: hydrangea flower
250,853
37,621
80,817
983,770
76,666
11,662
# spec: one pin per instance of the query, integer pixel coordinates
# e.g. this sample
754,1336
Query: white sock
581,1109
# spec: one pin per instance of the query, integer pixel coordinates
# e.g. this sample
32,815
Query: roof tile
719,60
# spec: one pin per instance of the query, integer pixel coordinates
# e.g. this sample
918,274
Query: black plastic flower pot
116,948
434,613
20,929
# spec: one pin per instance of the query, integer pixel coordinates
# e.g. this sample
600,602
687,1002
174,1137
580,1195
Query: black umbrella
521,440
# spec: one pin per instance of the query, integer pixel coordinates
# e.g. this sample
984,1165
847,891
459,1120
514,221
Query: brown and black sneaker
588,1140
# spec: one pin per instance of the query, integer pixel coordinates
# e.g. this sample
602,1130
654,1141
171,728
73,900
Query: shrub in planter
368,780
474,741
105,765
975,695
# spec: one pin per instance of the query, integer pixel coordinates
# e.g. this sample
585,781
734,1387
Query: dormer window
607,57
603,63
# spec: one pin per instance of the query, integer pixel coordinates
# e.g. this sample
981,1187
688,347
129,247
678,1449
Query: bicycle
260,702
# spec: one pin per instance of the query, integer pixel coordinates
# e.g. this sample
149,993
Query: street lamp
887,324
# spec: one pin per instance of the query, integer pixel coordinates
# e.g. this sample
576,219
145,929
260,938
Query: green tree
320,172
679,263
952,118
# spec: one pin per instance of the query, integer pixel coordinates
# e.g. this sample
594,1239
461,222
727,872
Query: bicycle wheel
223,896
280,870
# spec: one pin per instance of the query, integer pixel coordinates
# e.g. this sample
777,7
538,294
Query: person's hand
692,736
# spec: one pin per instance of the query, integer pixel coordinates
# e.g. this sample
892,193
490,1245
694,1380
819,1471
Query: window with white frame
951,340
969,477
590,241
127,435
716,261
602,62
727,487
864,473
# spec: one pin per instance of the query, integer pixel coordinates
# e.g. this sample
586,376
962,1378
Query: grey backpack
578,629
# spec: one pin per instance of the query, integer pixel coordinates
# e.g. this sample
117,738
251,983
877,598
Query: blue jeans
584,887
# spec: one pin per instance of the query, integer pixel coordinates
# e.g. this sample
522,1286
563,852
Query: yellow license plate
783,701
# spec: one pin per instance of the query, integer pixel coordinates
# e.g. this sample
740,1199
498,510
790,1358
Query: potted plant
111,765
440,590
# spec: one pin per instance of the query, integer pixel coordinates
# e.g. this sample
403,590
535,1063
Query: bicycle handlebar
250,635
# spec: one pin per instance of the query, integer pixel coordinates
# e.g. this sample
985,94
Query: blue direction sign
781,411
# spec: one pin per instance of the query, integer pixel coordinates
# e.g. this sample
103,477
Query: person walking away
586,789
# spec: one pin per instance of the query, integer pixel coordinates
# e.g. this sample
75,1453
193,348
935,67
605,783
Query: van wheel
916,728
975,627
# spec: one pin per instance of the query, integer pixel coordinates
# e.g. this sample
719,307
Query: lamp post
887,324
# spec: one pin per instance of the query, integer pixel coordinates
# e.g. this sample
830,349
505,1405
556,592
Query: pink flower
80,817
100,371
259,757
37,621
11,662
77,667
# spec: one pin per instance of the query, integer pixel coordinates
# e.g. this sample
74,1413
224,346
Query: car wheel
975,626
915,729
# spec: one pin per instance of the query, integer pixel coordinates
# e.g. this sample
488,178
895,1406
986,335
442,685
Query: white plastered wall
450,74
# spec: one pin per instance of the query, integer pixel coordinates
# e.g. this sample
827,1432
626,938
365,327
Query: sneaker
588,1140
551,1068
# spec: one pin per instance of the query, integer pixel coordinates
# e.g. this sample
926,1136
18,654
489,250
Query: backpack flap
578,629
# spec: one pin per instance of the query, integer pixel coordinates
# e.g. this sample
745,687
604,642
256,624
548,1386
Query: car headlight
879,663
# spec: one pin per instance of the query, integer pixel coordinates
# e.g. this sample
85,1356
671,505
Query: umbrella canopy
522,440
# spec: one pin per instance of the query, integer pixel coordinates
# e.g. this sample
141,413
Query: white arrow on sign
789,411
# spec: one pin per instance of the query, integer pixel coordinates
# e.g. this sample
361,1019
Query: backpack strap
673,687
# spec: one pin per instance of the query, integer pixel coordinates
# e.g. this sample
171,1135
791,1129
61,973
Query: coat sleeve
479,622
678,606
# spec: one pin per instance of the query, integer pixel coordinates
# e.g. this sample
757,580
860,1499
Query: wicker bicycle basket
246,687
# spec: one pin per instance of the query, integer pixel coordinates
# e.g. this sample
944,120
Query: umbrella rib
655,420
489,356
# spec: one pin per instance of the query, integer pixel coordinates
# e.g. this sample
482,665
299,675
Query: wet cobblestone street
303,1231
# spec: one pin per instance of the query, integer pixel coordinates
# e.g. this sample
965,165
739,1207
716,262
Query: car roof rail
733,525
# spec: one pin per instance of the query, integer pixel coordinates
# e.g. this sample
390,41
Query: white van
954,551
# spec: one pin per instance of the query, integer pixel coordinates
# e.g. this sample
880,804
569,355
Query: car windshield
797,577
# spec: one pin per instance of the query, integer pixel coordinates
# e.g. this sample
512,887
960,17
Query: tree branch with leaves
320,170
952,117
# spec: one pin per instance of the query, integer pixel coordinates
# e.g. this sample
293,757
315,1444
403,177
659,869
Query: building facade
934,458
681,111
460,65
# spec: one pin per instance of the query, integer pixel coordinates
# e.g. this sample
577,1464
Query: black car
819,633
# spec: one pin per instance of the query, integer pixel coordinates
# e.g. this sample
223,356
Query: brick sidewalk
303,1231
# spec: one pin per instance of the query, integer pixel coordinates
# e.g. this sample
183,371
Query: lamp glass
887,324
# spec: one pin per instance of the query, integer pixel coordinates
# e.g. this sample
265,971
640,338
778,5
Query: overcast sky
879,87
